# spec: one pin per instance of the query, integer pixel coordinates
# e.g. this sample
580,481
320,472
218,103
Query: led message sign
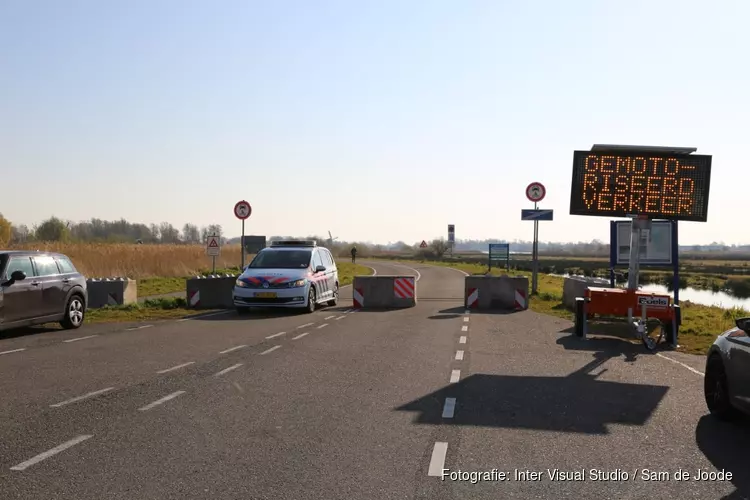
658,185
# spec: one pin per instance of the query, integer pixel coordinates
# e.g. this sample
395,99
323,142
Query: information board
656,244
659,185
254,244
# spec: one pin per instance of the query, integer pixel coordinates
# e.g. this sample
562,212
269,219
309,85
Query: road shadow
576,403
612,336
31,330
611,347
727,446
462,309
444,316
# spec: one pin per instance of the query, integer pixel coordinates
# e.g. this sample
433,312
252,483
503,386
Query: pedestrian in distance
354,254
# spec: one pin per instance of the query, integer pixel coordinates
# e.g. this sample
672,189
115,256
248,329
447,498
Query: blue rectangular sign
537,214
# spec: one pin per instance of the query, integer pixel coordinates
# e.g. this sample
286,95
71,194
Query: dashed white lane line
183,365
54,451
138,328
350,311
321,326
465,328
467,311
304,326
300,335
449,408
437,462
466,319
329,317
276,335
455,376
161,401
270,350
80,338
459,355
462,339
235,348
81,398
227,370
14,350
208,315
340,317
697,372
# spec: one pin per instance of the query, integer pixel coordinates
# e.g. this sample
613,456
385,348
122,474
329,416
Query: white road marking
14,350
467,311
462,339
183,365
340,317
350,311
226,370
466,319
419,276
455,376
465,328
276,335
305,325
208,315
329,317
81,398
161,401
437,462
321,326
139,327
697,372
80,338
235,348
300,335
449,408
459,355
49,453
270,350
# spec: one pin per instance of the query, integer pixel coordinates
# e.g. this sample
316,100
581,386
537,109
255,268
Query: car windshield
286,259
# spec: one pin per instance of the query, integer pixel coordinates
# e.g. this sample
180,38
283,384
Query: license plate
266,295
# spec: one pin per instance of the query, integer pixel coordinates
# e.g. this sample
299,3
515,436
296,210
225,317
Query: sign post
535,192
213,249
451,237
242,211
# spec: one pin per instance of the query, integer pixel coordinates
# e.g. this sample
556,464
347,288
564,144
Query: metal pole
242,244
213,264
535,255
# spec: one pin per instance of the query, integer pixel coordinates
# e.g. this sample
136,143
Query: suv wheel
311,301
335,299
74,313
716,390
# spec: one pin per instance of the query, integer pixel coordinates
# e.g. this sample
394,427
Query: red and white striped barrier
472,298
194,298
358,298
520,302
403,288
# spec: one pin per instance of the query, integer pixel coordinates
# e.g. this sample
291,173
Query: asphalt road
364,404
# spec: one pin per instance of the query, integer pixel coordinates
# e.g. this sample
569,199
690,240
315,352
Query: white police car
289,273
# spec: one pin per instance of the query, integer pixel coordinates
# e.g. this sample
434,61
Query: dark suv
40,287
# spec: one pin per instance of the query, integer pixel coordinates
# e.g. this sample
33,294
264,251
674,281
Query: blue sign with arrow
536,214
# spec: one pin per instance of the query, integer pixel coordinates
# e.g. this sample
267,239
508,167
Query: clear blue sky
378,120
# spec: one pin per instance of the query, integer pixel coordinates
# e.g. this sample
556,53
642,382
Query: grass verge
149,310
700,324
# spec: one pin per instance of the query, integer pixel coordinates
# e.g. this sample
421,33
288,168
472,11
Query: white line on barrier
437,462
49,453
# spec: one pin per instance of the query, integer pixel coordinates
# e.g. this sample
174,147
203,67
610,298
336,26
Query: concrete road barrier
111,292
384,291
576,286
210,292
496,293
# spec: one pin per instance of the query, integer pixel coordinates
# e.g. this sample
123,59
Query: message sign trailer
643,183
499,252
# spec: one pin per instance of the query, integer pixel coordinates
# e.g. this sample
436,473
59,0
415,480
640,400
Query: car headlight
240,284
296,284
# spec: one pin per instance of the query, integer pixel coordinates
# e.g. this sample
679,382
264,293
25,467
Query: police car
289,273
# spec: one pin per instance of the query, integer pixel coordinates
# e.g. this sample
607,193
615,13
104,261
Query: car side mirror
320,269
743,324
17,276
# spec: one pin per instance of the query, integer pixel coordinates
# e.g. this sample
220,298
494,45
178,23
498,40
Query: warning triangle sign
423,244
213,243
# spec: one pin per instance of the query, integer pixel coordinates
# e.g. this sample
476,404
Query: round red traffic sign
242,210
535,192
